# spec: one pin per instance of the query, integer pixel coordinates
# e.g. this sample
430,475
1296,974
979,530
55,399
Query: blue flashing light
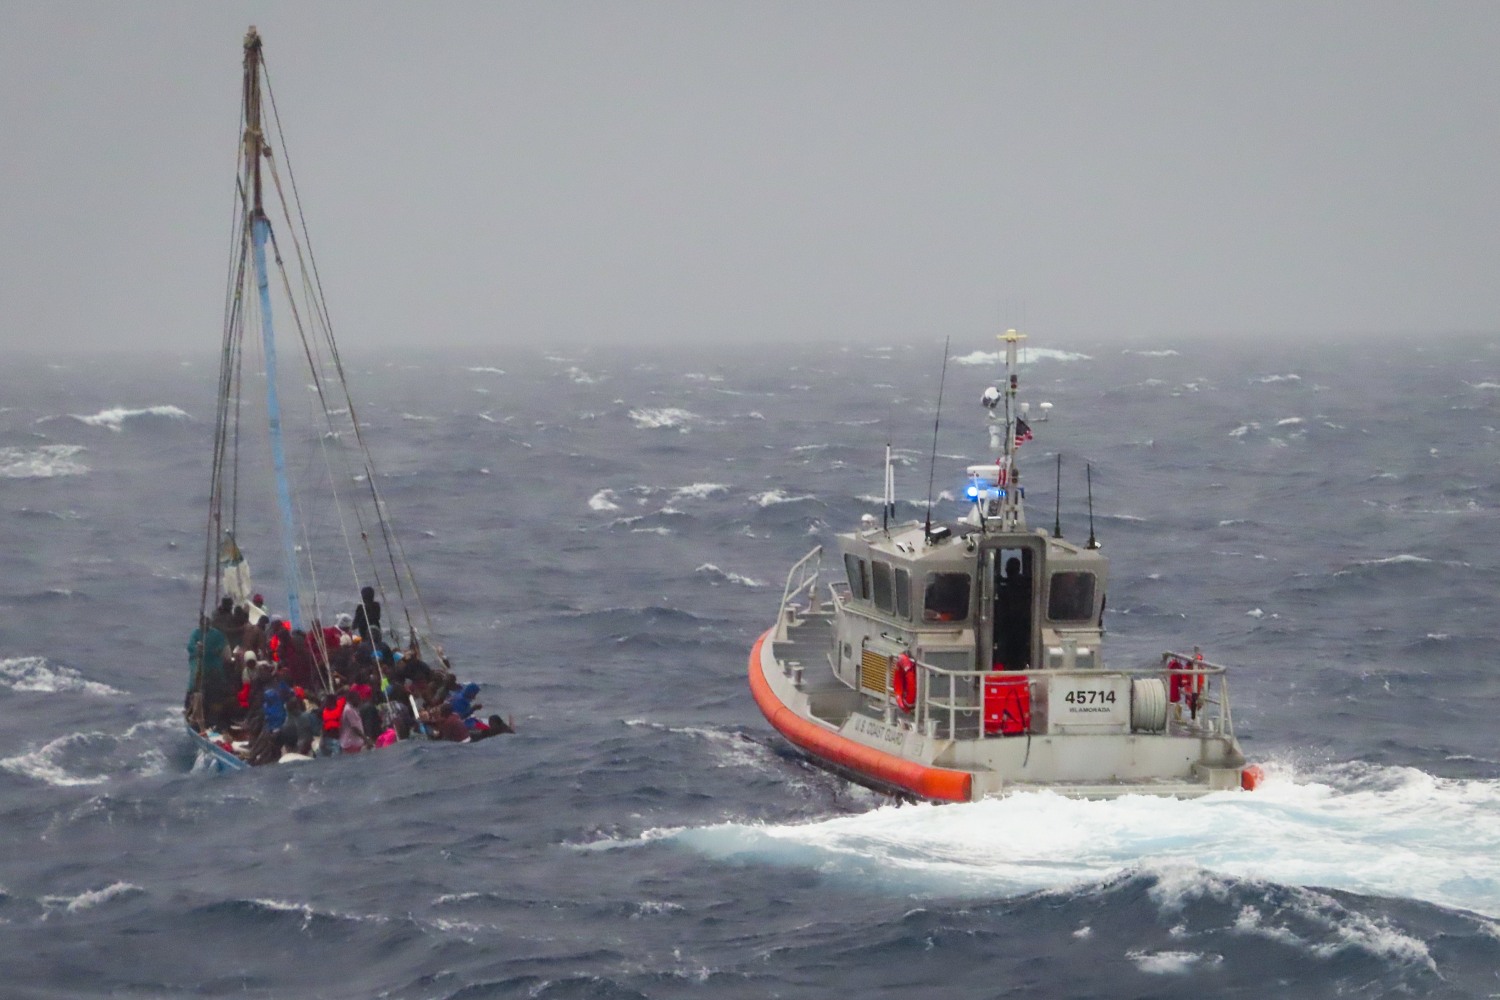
973,491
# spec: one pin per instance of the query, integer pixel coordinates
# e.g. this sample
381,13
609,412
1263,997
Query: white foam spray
1389,832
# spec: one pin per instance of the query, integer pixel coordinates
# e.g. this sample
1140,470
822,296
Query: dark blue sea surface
601,537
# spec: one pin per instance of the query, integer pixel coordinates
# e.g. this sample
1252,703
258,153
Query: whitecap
41,763
1024,356
417,418
604,500
32,673
771,498
46,462
1167,353
717,575
1289,421
1272,379
92,898
698,491
1400,559
114,419
1170,962
666,417
482,370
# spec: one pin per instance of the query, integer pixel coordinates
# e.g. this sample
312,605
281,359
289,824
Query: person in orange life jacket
332,716
275,636
366,623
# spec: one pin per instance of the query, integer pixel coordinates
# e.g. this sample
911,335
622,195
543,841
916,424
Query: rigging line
348,469
234,481
320,643
301,218
328,323
214,527
380,511
317,377
338,505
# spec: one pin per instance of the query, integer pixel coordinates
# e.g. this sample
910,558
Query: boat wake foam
1382,832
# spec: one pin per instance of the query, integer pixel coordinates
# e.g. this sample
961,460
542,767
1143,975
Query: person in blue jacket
464,705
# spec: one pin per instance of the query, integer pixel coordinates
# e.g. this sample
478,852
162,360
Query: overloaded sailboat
271,681
954,662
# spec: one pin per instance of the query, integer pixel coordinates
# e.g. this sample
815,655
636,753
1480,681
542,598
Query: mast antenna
932,465
888,509
1093,542
1057,496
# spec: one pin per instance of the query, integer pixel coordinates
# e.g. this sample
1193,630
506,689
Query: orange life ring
904,682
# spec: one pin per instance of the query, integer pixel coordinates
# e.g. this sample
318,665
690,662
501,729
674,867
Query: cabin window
903,593
880,573
947,598
859,576
1070,597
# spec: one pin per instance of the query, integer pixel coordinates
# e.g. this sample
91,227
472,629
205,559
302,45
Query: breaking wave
698,491
89,899
1025,356
771,498
32,673
604,500
114,419
46,462
717,575
666,417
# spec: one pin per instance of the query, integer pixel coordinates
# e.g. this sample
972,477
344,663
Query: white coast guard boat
965,660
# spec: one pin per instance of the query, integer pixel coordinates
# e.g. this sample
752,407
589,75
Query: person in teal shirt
208,652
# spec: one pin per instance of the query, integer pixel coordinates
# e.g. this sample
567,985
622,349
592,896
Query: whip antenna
888,508
1093,542
1057,510
932,466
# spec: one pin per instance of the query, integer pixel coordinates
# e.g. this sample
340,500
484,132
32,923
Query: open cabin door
1007,633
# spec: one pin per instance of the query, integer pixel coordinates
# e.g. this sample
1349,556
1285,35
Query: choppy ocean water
603,535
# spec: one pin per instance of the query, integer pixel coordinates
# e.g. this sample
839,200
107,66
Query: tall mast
260,231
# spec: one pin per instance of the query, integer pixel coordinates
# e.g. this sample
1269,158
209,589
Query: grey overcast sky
558,172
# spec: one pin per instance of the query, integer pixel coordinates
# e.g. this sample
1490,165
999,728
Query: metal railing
801,579
950,703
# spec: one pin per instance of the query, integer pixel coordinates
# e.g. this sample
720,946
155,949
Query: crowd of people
268,691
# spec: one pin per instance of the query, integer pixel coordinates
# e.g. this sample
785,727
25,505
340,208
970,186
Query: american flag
1023,432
